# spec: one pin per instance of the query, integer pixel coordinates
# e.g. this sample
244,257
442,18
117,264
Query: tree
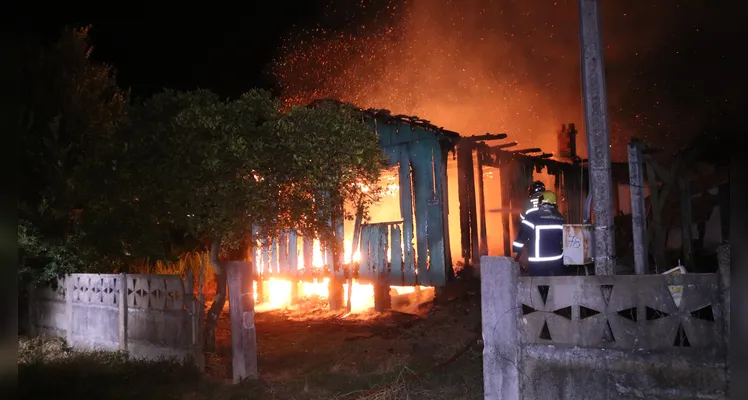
332,158
65,105
215,169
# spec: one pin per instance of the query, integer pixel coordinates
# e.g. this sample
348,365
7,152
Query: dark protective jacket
541,234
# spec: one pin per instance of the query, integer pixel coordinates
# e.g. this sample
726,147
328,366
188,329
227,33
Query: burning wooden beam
528,151
486,136
504,145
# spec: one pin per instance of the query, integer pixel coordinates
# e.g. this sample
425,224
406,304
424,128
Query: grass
386,356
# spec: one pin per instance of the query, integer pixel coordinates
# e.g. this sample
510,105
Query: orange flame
277,293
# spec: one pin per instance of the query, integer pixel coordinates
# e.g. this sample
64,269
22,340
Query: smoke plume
477,66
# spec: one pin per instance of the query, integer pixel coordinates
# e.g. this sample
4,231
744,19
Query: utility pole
598,140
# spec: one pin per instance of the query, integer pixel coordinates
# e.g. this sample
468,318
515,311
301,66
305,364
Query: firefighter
541,234
534,191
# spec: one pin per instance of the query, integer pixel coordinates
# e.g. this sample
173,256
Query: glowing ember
464,65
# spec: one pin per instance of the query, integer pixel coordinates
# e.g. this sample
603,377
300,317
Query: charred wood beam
528,151
545,155
504,145
487,136
464,179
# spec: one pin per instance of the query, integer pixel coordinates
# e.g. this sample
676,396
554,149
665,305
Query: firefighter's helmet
536,188
548,198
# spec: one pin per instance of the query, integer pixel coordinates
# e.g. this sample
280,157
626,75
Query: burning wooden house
450,200
435,206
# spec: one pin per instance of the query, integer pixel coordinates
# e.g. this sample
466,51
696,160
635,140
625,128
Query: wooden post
308,250
123,311
658,242
685,218
406,210
293,264
598,138
505,179
521,179
274,256
638,210
335,294
242,315
464,179
474,243
382,299
482,208
445,217
265,267
354,247
283,252
557,188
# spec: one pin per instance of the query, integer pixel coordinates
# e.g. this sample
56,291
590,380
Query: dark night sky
227,54
228,50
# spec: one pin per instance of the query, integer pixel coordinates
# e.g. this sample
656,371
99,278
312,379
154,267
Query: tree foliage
65,105
214,168
331,158
106,181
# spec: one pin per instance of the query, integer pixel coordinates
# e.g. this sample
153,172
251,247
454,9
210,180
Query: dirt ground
312,353
431,352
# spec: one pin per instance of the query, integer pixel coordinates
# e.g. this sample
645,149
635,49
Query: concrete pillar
382,299
69,285
336,295
500,318
242,319
598,139
123,309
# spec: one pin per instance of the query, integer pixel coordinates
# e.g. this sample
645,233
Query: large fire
277,293
472,66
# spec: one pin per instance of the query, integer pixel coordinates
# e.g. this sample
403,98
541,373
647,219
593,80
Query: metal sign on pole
598,140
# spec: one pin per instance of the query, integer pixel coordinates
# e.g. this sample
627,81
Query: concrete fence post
499,278
69,287
242,318
122,302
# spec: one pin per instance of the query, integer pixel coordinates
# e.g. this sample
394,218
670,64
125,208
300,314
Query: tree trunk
219,301
336,287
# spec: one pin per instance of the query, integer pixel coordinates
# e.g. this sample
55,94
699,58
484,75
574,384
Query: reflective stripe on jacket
541,231
531,203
